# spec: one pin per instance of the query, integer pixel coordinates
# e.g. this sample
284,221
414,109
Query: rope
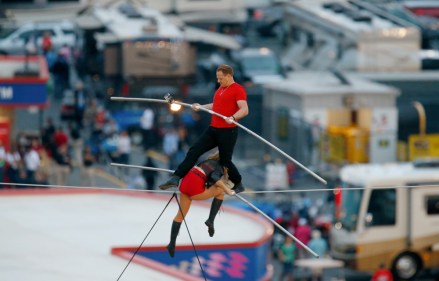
338,189
245,192
82,187
138,248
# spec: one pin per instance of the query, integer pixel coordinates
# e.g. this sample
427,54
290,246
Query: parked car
13,40
257,65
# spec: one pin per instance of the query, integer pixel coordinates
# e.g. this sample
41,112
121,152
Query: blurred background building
346,87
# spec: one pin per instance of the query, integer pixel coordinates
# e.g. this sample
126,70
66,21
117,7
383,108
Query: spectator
276,243
294,221
77,145
179,155
188,121
287,256
110,128
100,119
2,162
32,163
60,138
291,168
147,125
124,150
13,159
183,136
63,161
148,175
318,244
170,145
304,205
51,58
303,233
45,171
48,132
22,142
66,52
382,274
46,44
41,178
80,98
88,170
90,113
61,74
36,144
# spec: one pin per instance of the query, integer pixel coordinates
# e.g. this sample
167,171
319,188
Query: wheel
406,266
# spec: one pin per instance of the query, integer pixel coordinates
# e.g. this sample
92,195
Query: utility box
349,144
357,145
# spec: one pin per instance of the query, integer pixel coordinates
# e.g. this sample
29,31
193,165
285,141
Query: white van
389,214
258,65
13,40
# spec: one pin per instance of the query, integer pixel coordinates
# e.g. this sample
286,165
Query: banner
23,94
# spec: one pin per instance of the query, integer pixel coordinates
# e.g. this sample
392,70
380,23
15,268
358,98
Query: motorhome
389,215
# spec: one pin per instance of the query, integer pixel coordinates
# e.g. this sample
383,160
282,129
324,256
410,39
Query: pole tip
169,98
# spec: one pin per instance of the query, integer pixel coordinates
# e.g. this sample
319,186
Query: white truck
13,40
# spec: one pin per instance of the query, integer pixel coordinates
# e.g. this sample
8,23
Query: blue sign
16,94
226,264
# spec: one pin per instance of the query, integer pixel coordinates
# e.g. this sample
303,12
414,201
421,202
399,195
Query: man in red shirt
229,100
47,43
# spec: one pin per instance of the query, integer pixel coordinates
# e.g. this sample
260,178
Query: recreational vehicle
389,215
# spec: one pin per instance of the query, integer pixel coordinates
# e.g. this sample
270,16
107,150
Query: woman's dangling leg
175,229
185,203
214,209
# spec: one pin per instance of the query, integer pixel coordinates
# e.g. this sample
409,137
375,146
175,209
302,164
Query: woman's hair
215,156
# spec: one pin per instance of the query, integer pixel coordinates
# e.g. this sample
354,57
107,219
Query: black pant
224,139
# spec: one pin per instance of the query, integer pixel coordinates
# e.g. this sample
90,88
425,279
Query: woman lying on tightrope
206,180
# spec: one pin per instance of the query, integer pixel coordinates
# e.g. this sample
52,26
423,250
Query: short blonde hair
214,156
226,69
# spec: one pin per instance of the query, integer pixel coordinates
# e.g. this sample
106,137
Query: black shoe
238,188
171,249
171,182
210,228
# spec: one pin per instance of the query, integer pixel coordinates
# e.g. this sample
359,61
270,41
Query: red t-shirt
61,139
225,102
382,275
